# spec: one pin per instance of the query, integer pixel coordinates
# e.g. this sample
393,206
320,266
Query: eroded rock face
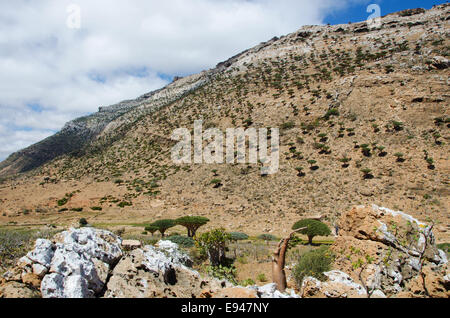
383,253
75,265
151,272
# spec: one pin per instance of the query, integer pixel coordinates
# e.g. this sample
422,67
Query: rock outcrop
338,285
75,265
90,263
383,253
155,272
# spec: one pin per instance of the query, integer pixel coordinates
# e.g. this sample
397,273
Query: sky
60,60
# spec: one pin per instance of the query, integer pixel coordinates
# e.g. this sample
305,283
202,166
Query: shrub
16,243
96,208
247,282
367,173
83,222
77,210
163,225
192,223
238,236
313,263
262,278
345,161
223,272
288,125
445,247
331,112
313,228
430,162
366,150
399,157
267,237
398,126
63,201
213,244
124,204
182,241
217,183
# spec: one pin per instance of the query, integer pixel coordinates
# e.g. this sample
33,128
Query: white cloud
45,63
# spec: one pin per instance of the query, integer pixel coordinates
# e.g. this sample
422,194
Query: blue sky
356,12
51,73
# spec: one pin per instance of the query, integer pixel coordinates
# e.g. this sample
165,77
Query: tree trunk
216,256
279,261
310,240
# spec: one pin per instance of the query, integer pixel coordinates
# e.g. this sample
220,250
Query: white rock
52,286
378,294
76,286
80,263
39,270
267,289
270,291
442,257
99,244
343,278
43,252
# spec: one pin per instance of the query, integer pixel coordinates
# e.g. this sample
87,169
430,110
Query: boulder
80,264
440,62
388,252
157,271
337,285
270,291
75,265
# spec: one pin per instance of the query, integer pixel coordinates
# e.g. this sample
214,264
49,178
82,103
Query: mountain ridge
78,133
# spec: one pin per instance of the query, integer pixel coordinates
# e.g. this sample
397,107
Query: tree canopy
313,228
163,225
151,228
192,223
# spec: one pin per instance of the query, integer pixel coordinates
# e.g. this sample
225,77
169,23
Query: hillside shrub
238,236
313,263
182,241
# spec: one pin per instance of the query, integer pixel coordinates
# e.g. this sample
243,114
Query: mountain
363,116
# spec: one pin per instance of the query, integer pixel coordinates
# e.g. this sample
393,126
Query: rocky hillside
363,115
81,132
